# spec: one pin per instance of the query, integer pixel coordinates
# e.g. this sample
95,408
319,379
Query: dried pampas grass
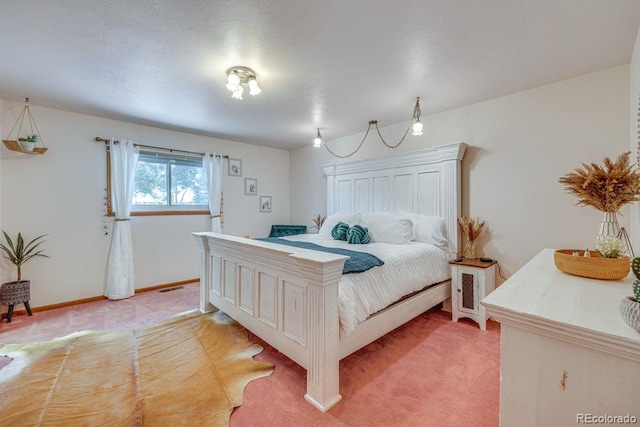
606,188
472,228
318,220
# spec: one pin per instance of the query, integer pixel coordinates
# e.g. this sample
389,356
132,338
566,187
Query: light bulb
254,89
417,128
317,141
233,79
237,93
233,82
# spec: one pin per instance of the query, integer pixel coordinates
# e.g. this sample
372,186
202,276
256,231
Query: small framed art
265,203
250,186
235,167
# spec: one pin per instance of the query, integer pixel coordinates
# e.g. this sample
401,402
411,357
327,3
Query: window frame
150,210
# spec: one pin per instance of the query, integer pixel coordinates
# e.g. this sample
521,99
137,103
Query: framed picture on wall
265,203
235,167
250,186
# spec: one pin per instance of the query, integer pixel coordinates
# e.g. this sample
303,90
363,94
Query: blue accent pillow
339,231
358,235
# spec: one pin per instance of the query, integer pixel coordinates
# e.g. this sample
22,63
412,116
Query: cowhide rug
188,370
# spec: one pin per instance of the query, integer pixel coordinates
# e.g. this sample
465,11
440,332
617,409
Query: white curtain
212,165
124,157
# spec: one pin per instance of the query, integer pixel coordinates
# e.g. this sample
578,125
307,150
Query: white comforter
407,268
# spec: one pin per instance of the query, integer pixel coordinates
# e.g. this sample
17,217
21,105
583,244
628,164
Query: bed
290,296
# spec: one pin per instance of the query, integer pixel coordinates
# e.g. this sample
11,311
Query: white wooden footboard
285,295
289,296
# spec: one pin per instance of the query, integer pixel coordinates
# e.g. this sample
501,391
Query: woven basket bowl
593,267
630,311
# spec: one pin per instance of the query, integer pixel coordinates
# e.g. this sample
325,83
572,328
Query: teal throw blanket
359,261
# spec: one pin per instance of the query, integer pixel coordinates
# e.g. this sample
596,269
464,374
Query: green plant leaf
27,258
19,244
9,242
9,252
20,253
28,249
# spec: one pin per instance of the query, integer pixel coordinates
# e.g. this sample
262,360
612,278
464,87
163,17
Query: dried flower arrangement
610,246
606,188
318,220
472,228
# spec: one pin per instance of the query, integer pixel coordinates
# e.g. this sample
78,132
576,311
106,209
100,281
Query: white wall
634,135
62,194
519,146
2,135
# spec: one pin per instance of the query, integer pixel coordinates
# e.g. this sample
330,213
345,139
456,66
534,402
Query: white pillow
348,218
428,229
388,228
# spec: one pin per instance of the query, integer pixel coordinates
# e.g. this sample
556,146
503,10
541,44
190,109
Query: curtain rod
172,150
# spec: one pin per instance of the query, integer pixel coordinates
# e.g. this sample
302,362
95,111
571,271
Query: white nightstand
471,281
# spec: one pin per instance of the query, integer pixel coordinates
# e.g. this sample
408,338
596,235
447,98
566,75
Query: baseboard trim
166,285
98,298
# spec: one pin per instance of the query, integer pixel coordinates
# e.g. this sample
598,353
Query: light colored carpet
429,372
188,370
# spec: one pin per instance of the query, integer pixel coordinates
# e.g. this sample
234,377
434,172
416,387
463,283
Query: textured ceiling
328,64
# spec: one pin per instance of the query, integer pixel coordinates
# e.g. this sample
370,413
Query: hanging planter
27,134
27,145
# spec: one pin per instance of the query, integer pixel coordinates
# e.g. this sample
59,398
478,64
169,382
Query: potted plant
18,292
630,306
28,143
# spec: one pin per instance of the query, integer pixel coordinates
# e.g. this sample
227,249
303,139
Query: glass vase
469,251
608,225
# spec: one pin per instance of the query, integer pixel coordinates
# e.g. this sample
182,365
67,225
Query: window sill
165,213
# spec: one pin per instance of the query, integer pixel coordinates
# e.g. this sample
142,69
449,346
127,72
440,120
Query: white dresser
566,355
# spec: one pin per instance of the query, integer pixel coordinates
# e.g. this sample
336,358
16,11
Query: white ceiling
321,63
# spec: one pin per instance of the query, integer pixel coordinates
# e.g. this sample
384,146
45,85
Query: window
167,183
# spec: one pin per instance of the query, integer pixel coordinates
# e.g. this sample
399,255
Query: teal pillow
339,231
358,235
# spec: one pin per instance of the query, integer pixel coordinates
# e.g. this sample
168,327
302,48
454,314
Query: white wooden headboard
425,181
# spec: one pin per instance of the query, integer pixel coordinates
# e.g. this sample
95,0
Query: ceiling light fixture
417,124
237,76
414,124
317,141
